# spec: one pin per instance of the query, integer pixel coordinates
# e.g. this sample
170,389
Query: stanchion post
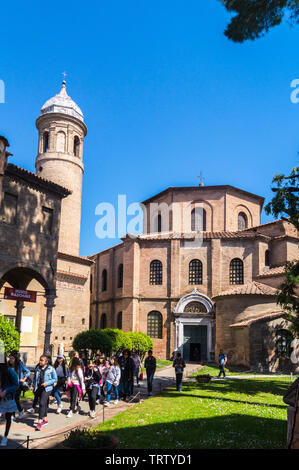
27,442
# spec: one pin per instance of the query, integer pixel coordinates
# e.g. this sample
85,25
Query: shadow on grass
233,431
248,387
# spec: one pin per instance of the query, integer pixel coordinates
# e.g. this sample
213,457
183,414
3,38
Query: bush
93,340
140,342
87,439
119,339
9,335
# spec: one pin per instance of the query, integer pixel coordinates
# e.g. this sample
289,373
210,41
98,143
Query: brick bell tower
61,132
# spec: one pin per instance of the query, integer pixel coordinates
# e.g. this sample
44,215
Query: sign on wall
19,294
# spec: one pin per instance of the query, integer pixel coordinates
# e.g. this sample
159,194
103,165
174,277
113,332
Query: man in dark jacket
150,367
127,368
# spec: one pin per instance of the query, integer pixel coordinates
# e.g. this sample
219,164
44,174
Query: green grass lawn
247,413
28,395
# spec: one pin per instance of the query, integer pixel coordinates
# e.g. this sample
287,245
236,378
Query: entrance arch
195,326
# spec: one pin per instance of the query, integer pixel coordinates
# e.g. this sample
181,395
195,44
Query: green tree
285,204
140,342
93,340
9,335
119,340
254,18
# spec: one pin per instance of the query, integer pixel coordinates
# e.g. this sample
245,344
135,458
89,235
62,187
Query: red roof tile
251,288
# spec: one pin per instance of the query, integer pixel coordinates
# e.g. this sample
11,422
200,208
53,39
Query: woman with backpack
92,381
62,372
23,374
112,380
43,384
76,386
9,383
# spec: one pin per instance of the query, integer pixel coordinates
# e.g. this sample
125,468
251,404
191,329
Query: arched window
76,146
45,141
198,219
154,324
119,320
156,272
103,321
242,221
120,275
195,272
284,339
236,271
104,280
267,258
159,223
60,142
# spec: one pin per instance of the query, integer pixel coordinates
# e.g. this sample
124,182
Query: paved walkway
59,425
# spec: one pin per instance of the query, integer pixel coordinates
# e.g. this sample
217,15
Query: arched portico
19,277
195,323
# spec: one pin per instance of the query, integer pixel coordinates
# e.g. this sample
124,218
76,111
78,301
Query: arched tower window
76,146
103,321
242,221
154,324
198,219
283,339
60,142
195,272
156,272
104,280
120,277
45,141
236,271
267,258
119,320
159,223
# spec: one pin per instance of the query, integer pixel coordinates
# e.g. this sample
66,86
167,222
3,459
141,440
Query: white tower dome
62,103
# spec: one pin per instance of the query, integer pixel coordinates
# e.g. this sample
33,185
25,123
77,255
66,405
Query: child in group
92,380
43,382
62,372
23,374
103,366
76,386
9,384
112,380
138,366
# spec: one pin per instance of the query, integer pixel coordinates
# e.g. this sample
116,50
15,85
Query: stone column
19,306
50,297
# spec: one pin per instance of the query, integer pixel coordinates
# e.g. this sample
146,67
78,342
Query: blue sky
165,95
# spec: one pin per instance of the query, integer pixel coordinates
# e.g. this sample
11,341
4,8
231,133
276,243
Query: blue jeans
179,378
57,396
221,371
109,390
137,375
150,376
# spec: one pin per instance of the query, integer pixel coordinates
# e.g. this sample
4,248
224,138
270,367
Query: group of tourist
96,378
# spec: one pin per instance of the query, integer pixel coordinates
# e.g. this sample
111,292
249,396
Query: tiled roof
70,274
204,188
272,272
250,321
251,288
193,235
13,170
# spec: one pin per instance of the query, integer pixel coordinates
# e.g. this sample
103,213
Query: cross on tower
201,179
